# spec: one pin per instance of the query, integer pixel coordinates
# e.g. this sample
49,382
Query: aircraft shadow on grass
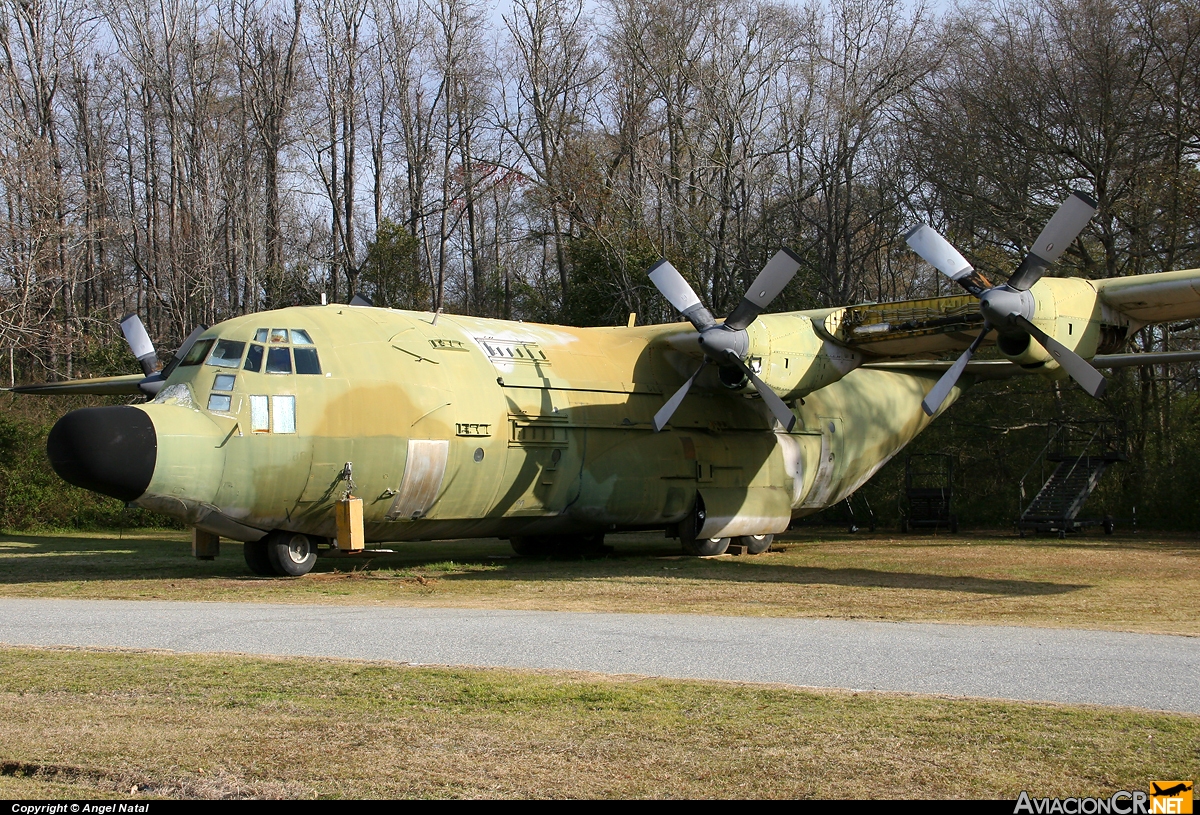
43,561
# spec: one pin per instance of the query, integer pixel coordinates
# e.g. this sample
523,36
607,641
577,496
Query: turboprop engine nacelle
793,358
1070,311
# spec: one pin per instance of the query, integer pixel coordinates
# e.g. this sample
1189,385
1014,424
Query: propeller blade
668,410
1063,228
670,283
1079,368
941,254
139,343
941,389
774,277
782,412
937,251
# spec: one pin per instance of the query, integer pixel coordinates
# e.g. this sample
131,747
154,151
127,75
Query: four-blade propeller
147,357
1008,308
726,344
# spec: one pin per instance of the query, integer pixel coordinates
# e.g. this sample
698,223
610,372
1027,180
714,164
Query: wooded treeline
192,160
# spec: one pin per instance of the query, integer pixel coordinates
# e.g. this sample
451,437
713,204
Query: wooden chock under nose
350,535
205,545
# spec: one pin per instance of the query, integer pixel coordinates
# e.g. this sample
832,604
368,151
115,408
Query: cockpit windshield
227,354
284,350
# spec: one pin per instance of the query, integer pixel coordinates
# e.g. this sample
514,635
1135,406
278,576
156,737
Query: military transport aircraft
451,427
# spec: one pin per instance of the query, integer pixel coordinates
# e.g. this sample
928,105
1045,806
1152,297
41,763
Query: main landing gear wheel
699,547
755,544
706,547
257,558
291,554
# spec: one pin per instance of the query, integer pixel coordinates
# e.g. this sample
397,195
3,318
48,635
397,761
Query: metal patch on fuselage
423,472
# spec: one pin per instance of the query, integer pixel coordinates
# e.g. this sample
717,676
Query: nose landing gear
281,554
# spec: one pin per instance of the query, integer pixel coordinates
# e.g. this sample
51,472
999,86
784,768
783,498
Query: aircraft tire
257,558
292,554
706,547
755,544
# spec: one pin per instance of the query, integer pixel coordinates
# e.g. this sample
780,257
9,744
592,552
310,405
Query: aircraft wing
126,385
937,325
1154,298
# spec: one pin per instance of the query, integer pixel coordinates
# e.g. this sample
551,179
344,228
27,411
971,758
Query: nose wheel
281,554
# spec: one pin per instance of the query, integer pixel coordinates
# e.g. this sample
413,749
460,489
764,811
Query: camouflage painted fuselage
470,427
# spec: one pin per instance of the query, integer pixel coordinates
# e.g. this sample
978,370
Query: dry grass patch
97,723
1135,583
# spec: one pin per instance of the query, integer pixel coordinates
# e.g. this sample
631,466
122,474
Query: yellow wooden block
350,535
205,545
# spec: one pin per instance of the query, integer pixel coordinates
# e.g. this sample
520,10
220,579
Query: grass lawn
1135,583
78,723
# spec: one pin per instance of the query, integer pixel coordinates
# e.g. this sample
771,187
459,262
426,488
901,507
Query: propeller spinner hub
721,343
1001,305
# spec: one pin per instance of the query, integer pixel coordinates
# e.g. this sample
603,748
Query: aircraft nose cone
110,450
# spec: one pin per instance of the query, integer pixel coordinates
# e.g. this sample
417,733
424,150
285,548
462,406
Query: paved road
1095,667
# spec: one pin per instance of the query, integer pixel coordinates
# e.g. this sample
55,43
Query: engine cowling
793,358
1070,311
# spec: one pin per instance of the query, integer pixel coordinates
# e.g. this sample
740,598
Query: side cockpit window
306,361
197,353
227,354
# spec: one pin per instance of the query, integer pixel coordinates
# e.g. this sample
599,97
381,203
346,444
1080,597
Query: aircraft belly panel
424,469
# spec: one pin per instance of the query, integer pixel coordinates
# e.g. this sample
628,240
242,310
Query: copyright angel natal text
78,809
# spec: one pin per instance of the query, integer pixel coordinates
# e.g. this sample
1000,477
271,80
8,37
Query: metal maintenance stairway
1083,451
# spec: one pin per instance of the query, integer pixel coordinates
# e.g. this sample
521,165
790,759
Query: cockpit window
254,358
227,354
306,361
279,357
279,361
197,353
